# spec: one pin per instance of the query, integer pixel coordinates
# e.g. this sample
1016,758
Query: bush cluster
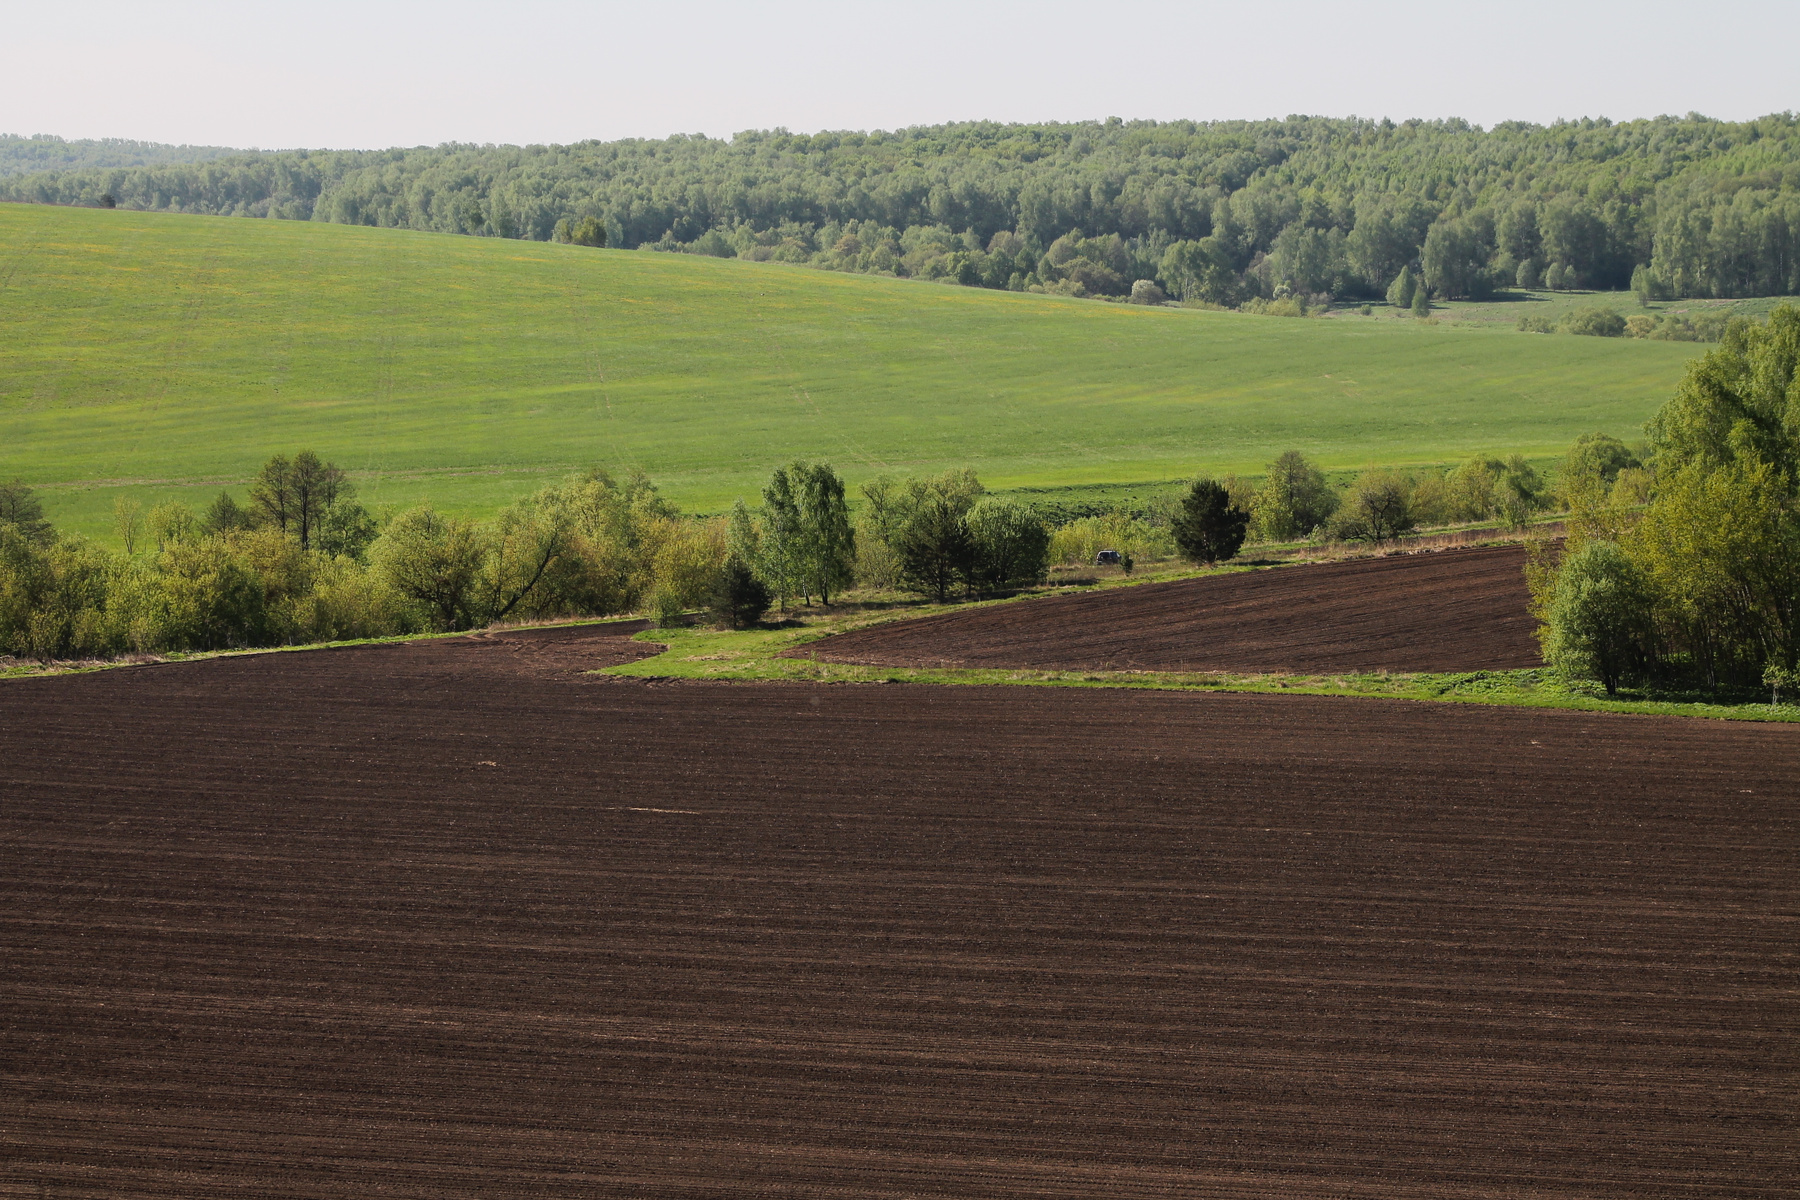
1594,321
1688,567
302,562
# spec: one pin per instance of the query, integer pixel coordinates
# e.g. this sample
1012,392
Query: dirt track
1459,610
447,921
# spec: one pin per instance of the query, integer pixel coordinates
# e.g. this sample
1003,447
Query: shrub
1011,544
1145,291
1600,617
1595,322
1591,467
436,563
1378,508
666,609
1076,542
739,599
350,600
209,597
687,557
1400,292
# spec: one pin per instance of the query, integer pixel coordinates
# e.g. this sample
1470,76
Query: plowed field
1459,610
449,920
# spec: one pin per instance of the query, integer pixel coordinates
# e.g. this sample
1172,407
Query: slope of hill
171,354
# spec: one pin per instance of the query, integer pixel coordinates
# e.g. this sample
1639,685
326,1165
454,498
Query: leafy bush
1295,499
1011,544
1145,291
1600,622
1595,322
1377,509
1075,543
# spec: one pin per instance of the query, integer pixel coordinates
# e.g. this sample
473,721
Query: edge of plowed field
773,654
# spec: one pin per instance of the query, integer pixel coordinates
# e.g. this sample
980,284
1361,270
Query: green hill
171,354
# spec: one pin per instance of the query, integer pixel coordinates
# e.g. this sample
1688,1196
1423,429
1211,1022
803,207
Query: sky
326,73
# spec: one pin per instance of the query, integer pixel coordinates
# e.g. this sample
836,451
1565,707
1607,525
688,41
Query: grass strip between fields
770,654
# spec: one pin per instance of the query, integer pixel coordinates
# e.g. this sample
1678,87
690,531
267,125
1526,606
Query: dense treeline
1218,212
1702,583
42,152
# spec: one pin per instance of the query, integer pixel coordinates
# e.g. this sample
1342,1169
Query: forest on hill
1218,212
43,152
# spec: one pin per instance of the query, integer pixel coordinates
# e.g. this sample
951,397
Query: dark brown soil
1457,610
450,921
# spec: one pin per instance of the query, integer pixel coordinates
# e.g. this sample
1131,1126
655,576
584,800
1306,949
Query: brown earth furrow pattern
453,920
1455,610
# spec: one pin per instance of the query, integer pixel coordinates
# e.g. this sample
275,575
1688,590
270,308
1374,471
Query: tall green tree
21,508
1739,402
1600,622
783,560
829,541
937,551
1208,527
1011,544
1295,498
296,495
1378,507
930,533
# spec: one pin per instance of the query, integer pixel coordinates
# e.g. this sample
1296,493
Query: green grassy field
169,355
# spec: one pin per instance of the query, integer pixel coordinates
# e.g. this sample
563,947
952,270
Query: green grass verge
761,655
167,355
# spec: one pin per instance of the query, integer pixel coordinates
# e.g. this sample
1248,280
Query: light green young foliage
1377,509
1295,499
435,562
1721,547
1600,624
1077,542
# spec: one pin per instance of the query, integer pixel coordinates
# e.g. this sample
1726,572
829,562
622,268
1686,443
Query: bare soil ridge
1457,610
450,920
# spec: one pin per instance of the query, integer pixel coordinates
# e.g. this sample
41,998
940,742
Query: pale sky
324,73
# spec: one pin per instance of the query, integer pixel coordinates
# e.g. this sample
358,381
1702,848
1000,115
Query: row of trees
299,559
1218,211
937,536
302,562
1702,582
